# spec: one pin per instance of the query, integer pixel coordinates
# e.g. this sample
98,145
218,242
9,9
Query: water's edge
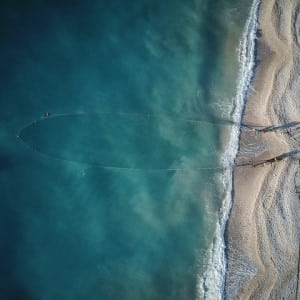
211,285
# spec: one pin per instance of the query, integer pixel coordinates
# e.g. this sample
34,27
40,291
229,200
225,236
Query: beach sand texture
263,229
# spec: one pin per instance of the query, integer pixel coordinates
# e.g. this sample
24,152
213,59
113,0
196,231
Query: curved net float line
35,147
116,168
220,122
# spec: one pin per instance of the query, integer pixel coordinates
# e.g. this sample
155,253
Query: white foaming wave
211,284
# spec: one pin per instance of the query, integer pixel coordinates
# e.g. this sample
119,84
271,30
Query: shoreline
212,284
262,244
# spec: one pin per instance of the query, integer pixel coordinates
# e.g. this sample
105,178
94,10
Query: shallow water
139,71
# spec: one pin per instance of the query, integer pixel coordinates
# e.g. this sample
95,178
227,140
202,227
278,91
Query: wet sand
263,229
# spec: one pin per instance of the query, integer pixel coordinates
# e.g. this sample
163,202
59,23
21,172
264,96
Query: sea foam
211,284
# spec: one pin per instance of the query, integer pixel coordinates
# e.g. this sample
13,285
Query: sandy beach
263,229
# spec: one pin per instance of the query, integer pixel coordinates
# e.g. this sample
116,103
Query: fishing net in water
127,141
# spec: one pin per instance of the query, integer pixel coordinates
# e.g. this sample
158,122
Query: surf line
211,284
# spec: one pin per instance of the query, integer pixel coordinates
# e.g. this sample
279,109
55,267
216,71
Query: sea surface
116,193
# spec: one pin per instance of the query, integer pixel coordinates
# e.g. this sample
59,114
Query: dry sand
263,229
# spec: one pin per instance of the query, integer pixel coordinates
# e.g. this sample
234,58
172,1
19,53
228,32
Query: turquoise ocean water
116,194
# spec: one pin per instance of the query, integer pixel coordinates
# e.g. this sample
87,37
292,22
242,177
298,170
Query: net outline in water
50,116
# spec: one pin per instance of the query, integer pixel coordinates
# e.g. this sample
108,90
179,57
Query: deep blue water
122,80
